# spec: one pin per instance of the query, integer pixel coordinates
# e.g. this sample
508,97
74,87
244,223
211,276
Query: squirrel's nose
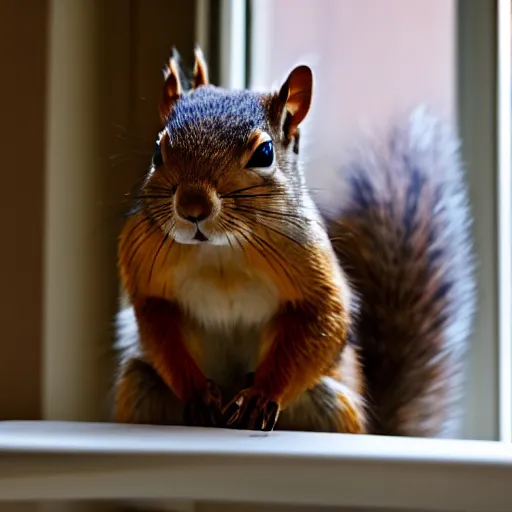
193,204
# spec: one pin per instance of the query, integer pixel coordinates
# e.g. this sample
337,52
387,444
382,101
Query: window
504,216
103,70
375,60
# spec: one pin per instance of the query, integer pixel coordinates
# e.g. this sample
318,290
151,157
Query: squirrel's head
225,161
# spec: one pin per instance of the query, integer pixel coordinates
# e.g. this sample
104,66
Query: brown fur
278,243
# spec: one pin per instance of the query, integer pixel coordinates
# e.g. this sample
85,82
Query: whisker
159,215
266,194
167,179
160,207
160,200
155,227
233,225
280,233
229,194
284,235
277,214
159,218
278,258
223,226
240,229
281,216
155,188
140,240
155,196
171,245
255,216
261,242
162,243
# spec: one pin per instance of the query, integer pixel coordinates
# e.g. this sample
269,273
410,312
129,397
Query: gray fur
401,229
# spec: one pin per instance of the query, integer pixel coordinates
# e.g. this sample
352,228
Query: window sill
59,460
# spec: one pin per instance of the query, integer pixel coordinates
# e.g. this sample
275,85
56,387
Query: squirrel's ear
295,95
200,68
173,87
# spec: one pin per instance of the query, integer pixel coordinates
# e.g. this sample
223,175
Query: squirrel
248,306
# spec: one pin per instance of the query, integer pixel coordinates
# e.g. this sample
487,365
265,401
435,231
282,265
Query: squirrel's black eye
157,155
263,156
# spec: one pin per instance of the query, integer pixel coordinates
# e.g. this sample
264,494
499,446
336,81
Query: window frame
483,75
77,461
504,117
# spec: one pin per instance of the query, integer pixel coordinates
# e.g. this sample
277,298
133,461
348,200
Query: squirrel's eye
157,155
263,156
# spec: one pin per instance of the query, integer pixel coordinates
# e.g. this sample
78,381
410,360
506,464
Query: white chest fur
219,290
228,304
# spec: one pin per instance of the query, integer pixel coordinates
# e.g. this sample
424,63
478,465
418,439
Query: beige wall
23,43
105,78
81,84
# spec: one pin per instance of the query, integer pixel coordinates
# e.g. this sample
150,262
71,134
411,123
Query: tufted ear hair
173,85
200,76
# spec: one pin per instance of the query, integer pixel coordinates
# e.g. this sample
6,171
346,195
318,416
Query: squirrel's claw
251,410
205,409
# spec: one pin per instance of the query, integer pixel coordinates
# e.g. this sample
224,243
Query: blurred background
79,93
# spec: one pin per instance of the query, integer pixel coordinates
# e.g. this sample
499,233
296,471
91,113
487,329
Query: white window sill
57,461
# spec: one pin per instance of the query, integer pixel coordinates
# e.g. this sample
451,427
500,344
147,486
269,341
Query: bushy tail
402,232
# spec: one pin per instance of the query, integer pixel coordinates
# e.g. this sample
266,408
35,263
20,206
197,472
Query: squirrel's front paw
251,410
205,408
